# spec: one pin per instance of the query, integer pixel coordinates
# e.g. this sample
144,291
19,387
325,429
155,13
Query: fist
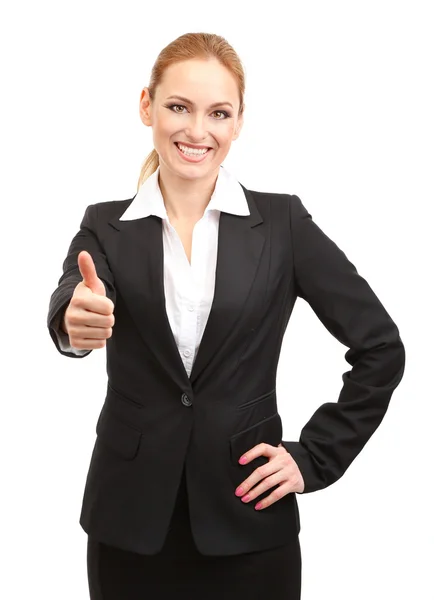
88,319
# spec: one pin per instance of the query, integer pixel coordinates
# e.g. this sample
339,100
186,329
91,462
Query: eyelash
170,106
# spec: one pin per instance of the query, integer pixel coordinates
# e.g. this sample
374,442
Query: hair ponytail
149,166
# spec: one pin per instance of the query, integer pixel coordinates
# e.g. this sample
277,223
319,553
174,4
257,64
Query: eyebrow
192,103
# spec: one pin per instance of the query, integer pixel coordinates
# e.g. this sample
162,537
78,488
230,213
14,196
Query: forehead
198,79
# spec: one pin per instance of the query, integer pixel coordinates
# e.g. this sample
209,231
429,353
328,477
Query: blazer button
186,400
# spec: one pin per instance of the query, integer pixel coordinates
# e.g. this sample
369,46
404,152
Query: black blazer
155,417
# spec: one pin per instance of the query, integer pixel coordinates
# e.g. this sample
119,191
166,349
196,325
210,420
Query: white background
339,110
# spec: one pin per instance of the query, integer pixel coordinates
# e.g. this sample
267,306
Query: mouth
192,154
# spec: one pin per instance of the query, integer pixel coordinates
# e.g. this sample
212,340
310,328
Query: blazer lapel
240,245
139,272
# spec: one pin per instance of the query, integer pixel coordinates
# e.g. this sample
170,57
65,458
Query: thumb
88,272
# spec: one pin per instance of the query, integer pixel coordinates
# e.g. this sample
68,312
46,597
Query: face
196,104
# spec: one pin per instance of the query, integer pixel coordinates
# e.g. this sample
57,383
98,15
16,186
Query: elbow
381,365
401,357
392,360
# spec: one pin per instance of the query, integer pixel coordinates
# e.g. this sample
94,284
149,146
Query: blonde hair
185,47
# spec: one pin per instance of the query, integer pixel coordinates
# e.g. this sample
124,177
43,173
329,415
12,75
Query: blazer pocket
269,430
114,395
258,400
120,437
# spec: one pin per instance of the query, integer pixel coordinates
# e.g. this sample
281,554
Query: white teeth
191,151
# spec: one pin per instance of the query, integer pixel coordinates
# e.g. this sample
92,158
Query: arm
349,309
85,239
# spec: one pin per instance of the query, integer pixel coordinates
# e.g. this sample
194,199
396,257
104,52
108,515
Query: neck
186,199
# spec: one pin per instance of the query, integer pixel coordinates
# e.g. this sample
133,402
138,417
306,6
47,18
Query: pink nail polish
259,505
243,460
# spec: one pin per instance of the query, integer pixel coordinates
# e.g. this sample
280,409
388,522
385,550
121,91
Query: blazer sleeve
85,239
349,309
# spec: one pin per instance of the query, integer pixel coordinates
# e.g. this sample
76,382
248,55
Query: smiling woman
194,104
191,491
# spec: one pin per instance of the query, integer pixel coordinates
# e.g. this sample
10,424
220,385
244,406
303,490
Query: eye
225,114
176,105
222,112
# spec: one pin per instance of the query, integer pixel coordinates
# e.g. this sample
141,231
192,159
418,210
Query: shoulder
109,208
279,203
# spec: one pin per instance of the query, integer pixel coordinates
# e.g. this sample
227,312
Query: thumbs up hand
88,319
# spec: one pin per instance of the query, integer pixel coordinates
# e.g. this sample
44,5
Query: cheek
164,128
224,134
165,124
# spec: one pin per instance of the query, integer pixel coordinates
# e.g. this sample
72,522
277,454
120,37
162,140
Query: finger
93,303
262,449
89,337
87,268
87,344
257,476
275,495
89,274
78,332
264,485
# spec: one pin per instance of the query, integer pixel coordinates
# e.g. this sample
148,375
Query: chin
190,174
195,171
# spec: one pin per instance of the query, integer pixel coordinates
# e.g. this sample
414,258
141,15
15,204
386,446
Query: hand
88,319
281,469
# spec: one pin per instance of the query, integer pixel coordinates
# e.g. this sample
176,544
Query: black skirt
180,572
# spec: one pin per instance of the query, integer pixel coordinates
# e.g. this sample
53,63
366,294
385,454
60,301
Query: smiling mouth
192,152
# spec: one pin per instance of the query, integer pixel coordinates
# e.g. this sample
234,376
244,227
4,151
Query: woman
191,491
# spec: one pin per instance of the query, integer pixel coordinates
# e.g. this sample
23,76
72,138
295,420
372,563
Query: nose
196,130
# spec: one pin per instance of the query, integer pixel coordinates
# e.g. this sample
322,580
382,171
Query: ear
238,126
145,107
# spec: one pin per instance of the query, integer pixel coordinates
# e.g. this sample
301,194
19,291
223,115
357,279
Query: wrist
63,325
